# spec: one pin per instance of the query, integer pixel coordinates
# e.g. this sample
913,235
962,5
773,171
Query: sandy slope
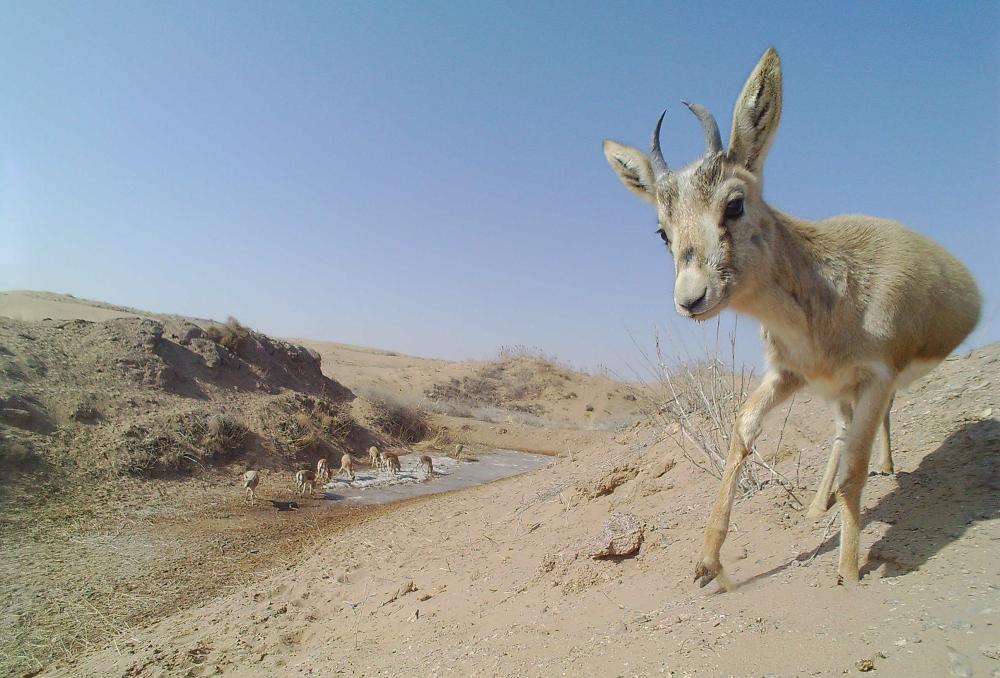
504,586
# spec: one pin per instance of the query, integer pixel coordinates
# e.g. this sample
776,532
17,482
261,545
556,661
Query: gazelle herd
306,480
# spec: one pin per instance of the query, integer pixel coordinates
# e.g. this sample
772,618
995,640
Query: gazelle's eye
663,234
734,208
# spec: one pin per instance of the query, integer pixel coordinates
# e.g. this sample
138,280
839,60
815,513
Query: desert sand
152,566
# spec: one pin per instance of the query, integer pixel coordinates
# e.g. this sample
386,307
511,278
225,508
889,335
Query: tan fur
374,457
427,464
322,471
305,482
391,462
346,466
853,307
250,481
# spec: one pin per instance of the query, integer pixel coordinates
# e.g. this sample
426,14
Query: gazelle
855,307
322,470
305,482
374,457
427,464
346,466
391,462
250,481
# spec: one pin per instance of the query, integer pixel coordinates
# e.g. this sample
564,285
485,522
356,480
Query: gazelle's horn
713,140
660,169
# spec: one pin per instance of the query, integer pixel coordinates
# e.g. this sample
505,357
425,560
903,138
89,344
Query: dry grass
233,335
396,417
696,401
223,432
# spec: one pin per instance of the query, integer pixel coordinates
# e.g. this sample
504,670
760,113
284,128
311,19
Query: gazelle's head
710,213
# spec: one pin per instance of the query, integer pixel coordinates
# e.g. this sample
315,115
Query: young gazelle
250,481
346,466
322,471
853,306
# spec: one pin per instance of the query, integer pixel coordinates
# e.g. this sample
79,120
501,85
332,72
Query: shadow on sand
955,486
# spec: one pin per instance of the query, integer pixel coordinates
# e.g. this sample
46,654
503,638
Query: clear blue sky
428,177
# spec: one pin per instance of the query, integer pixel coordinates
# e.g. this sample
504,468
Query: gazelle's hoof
704,572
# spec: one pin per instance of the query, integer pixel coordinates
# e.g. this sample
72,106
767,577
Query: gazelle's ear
633,168
756,114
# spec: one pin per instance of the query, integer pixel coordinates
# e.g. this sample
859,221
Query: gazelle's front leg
774,389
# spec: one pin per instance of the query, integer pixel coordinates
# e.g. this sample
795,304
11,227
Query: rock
620,536
991,651
661,466
607,483
187,332
865,665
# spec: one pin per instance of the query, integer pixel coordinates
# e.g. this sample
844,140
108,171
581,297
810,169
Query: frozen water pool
381,487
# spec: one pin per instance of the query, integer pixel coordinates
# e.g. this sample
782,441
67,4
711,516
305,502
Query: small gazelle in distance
854,307
250,481
346,466
322,470
305,482
427,464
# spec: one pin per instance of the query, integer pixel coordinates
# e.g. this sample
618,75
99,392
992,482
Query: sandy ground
497,580
178,578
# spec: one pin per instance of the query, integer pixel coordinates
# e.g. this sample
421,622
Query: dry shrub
175,442
233,335
396,417
223,432
697,400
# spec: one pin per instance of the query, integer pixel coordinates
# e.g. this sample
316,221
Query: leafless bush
223,432
396,416
696,401
232,335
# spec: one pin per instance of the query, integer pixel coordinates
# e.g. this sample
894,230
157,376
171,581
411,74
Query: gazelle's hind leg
824,499
853,472
886,466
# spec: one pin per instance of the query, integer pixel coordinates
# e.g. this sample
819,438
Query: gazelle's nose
691,304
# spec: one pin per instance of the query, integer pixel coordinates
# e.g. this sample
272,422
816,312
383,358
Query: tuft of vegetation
232,335
397,417
223,432
174,443
696,401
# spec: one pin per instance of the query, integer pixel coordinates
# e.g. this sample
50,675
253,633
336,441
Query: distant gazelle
391,462
853,306
427,464
322,471
250,481
305,482
346,466
374,457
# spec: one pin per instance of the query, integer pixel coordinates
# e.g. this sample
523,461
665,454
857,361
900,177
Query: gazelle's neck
787,295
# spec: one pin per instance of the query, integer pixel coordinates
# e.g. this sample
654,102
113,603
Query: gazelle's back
910,298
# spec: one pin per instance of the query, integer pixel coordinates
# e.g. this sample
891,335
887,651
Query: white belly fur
915,370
